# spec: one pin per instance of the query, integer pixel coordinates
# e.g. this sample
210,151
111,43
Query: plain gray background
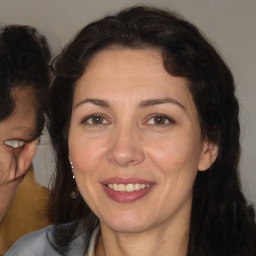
230,24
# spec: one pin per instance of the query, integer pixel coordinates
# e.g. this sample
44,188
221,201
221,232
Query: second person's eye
14,143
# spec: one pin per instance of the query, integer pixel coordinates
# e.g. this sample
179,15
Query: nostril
125,160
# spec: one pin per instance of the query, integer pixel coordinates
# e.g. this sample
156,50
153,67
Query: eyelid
15,143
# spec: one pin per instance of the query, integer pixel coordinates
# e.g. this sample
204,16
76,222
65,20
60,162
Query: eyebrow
143,104
153,102
97,102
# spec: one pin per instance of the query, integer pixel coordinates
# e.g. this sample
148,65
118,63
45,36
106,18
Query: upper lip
117,180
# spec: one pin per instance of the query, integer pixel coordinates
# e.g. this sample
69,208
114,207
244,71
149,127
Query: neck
168,239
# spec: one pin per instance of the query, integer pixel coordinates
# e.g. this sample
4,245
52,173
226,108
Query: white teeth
121,187
128,187
137,186
115,187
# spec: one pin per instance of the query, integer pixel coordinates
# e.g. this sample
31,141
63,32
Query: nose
126,148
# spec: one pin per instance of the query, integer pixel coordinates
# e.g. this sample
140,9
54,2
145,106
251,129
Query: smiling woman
24,80
144,122
150,140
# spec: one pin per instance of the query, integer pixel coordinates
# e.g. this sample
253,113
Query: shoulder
37,244
33,244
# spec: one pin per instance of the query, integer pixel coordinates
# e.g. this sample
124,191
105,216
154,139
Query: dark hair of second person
24,55
222,222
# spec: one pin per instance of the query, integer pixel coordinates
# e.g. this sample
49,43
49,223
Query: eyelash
167,120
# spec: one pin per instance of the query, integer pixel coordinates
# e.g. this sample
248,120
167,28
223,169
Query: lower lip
126,197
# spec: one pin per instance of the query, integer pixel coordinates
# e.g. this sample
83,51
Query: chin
127,224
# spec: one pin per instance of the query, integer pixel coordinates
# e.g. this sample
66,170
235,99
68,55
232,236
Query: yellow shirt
28,213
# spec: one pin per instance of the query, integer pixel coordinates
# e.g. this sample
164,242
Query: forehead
123,74
131,63
23,95
25,102
22,121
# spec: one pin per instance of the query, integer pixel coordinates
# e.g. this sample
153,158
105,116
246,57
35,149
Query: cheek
175,152
85,153
177,160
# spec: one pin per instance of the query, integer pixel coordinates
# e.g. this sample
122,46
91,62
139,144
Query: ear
25,157
208,155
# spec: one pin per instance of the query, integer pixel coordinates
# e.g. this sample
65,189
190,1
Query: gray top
36,244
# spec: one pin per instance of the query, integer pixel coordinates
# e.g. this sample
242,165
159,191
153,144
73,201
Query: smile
127,190
127,187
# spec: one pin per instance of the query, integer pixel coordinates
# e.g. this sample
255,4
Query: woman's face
135,141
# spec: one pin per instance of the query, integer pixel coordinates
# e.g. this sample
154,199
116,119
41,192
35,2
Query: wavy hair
222,223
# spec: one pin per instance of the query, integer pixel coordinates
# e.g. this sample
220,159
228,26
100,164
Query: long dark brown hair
222,223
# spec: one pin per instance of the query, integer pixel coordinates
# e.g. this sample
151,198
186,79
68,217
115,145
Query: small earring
71,164
74,193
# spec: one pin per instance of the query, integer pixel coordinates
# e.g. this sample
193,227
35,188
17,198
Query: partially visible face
20,127
134,140
16,146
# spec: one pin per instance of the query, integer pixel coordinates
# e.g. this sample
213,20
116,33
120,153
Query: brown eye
95,120
160,120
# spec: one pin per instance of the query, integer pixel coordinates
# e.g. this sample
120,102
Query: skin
132,88
18,129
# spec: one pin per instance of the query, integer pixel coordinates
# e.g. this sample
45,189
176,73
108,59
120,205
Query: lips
126,190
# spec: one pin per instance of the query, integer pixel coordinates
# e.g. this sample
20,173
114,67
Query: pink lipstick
126,190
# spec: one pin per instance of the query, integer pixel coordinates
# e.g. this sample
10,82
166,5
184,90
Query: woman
24,81
144,122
